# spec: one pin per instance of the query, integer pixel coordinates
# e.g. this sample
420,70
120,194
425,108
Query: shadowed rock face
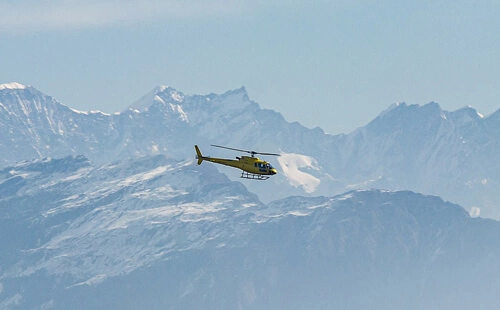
163,234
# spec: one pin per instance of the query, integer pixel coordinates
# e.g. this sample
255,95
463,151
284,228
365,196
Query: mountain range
156,233
111,211
407,147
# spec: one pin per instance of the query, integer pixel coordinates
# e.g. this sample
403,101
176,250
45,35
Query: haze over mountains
121,217
420,148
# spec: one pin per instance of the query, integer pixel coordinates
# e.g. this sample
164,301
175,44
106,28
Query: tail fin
198,155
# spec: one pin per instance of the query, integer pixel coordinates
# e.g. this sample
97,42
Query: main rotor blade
230,148
266,153
249,152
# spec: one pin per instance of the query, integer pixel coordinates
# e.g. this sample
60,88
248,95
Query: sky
331,64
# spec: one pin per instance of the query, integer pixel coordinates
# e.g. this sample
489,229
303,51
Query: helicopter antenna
252,153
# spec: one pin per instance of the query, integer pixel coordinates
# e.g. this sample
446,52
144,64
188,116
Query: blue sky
333,64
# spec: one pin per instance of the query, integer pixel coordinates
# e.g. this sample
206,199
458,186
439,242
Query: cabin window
255,164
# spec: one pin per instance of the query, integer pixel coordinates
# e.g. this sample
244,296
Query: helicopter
252,167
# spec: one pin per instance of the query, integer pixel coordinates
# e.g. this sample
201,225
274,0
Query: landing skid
253,176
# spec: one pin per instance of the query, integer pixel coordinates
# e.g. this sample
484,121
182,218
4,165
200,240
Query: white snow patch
77,175
155,149
346,197
290,165
99,112
232,198
177,97
182,115
158,98
323,205
474,212
92,281
12,85
24,175
141,177
248,205
91,112
78,111
161,88
299,213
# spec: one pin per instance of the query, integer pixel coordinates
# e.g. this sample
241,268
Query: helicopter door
262,167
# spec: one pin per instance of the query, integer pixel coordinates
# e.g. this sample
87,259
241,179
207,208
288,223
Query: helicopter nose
274,171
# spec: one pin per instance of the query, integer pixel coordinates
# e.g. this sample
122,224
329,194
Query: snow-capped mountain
164,121
420,148
156,233
69,200
423,148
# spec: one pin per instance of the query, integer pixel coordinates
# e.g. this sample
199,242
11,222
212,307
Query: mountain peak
432,106
240,92
159,93
466,114
26,98
170,93
166,94
401,113
13,85
392,107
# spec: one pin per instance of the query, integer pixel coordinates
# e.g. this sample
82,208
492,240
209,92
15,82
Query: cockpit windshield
264,166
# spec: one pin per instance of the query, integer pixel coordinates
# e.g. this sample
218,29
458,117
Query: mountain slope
60,203
157,233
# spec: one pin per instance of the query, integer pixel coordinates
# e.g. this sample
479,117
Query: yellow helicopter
253,168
